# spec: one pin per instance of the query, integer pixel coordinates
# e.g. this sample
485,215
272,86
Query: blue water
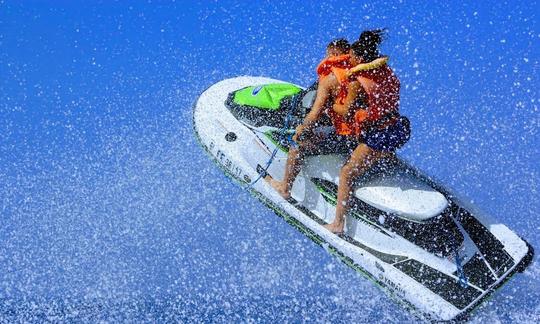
110,210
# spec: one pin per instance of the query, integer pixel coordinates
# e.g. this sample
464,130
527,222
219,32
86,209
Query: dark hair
367,45
339,43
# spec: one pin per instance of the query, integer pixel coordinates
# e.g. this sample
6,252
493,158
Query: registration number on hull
227,162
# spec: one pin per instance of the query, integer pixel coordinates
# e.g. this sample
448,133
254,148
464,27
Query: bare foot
279,186
335,228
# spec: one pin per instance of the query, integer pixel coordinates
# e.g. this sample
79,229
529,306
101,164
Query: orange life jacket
329,64
348,126
382,96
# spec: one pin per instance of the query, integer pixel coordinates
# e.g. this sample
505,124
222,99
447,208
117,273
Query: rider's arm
323,94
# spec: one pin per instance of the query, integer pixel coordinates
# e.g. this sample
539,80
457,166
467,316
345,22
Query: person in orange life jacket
337,56
365,117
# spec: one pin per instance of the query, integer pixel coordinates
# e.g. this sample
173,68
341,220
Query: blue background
110,210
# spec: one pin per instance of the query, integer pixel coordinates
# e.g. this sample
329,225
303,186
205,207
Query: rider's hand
299,130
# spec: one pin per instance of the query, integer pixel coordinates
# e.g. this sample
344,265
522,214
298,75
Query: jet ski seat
394,189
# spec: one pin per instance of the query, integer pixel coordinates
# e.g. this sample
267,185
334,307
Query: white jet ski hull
390,211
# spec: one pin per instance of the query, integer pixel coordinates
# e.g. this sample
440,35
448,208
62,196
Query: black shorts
324,141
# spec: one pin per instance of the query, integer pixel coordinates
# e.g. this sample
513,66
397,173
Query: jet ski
432,252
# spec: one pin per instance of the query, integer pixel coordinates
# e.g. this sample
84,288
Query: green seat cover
266,97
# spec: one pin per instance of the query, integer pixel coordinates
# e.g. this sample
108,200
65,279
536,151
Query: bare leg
360,160
292,168
296,156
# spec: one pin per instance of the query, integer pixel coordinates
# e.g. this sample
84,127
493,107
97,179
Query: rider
364,114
